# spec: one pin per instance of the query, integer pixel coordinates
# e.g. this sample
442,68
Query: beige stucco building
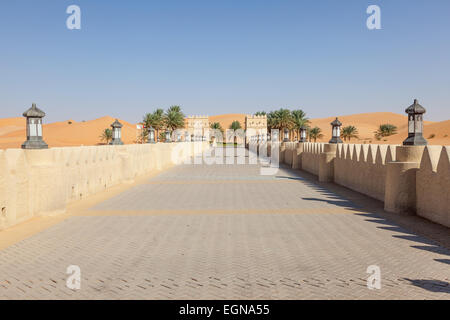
255,126
197,125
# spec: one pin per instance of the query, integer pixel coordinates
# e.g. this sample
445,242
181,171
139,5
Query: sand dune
225,120
8,125
72,133
368,123
68,133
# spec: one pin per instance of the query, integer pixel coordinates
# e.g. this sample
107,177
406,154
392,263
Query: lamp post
303,134
34,129
168,136
151,135
268,136
415,125
286,135
116,133
336,131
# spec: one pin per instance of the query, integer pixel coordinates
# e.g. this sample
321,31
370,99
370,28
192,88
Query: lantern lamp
34,129
116,133
151,135
336,131
303,130
415,125
286,135
168,136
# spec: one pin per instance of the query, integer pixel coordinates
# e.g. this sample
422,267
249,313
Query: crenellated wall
42,182
433,185
363,167
408,179
310,157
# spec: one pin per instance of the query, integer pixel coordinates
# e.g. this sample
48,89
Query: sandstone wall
364,168
433,185
42,182
310,157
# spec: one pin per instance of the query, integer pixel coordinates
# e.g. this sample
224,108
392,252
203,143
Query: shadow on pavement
430,285
424,234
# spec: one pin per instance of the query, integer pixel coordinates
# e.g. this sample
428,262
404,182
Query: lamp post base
34,144
336,140
415,140
116,142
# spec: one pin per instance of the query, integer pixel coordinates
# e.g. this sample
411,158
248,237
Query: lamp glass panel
338,131
418,124
39,129
32,127
411,124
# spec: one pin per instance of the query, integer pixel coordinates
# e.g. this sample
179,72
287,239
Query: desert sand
225,120
72,133
368,123
64,133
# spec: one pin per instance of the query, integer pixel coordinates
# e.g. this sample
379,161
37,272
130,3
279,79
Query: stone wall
42,182
409,180
310,157
433,185
363,167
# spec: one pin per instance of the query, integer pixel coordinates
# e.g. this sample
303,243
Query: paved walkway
226,232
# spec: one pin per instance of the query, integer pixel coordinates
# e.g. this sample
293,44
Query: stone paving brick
272,255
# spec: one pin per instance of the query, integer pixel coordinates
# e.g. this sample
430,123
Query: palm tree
217,126
349,132
106,135
155,119
235,125
272,121
385,130
299,120
285,120
315,133
260,113
280,119
174,118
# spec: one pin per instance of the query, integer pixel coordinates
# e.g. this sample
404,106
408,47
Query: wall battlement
412,180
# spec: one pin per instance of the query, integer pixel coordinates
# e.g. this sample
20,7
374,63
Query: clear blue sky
223,56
